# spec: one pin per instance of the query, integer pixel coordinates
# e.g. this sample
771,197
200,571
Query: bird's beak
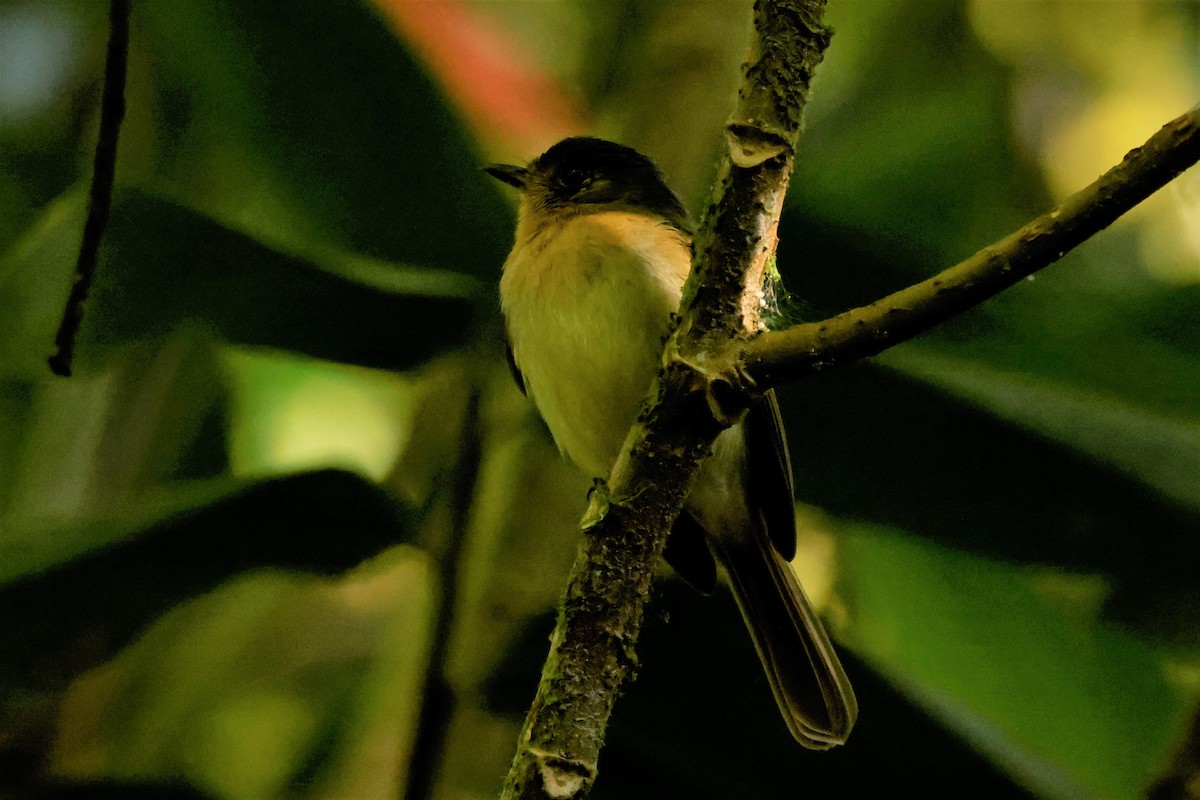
513,176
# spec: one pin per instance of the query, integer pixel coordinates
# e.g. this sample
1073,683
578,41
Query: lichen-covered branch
592,649
112,111
783,356
737,231
713,361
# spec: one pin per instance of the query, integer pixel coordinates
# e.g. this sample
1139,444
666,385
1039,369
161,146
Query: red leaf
503,95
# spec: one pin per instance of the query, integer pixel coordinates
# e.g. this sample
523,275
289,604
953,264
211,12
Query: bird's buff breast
587,304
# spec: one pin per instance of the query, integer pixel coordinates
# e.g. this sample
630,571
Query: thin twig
783,356
438,702
112,111
592,649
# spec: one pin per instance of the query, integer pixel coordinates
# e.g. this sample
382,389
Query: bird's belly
588,365
587,307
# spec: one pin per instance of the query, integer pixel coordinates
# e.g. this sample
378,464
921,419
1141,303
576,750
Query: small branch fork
714,362
112,111
787,355
592,648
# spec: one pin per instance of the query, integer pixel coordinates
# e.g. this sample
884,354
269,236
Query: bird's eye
576,180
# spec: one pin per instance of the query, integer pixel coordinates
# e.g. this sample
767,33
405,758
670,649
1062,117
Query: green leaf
165,266
35,279
94,443
104,576
290,413
270,685
311,121
1069,705
1149,446
871,444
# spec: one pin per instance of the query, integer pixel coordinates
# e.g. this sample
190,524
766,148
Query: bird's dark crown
585,171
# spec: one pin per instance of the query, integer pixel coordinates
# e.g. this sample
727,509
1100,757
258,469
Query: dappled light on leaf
1119,69
270,682
291,414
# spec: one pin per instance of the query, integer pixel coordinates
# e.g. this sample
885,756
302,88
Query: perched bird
601,254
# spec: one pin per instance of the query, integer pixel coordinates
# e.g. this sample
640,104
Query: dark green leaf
270,685
873,445
1145,444
71,596
311,120
164,266
91,444
1014,660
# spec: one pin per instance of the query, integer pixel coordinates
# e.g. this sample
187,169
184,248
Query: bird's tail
808,681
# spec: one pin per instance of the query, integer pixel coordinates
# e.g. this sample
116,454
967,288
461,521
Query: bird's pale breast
587,305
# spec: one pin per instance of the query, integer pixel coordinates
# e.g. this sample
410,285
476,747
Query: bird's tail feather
808,681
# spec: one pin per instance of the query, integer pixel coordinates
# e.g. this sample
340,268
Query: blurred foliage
291,520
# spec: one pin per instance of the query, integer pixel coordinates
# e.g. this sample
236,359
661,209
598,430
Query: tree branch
712,365
783,356
112,111
438,700
592,648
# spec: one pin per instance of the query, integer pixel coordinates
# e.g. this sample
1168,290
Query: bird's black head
588,172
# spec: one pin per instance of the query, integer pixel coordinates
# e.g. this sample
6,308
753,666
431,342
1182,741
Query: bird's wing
688,554
770,489
514,369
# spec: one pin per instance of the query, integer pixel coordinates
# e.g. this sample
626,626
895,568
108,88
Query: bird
601,251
